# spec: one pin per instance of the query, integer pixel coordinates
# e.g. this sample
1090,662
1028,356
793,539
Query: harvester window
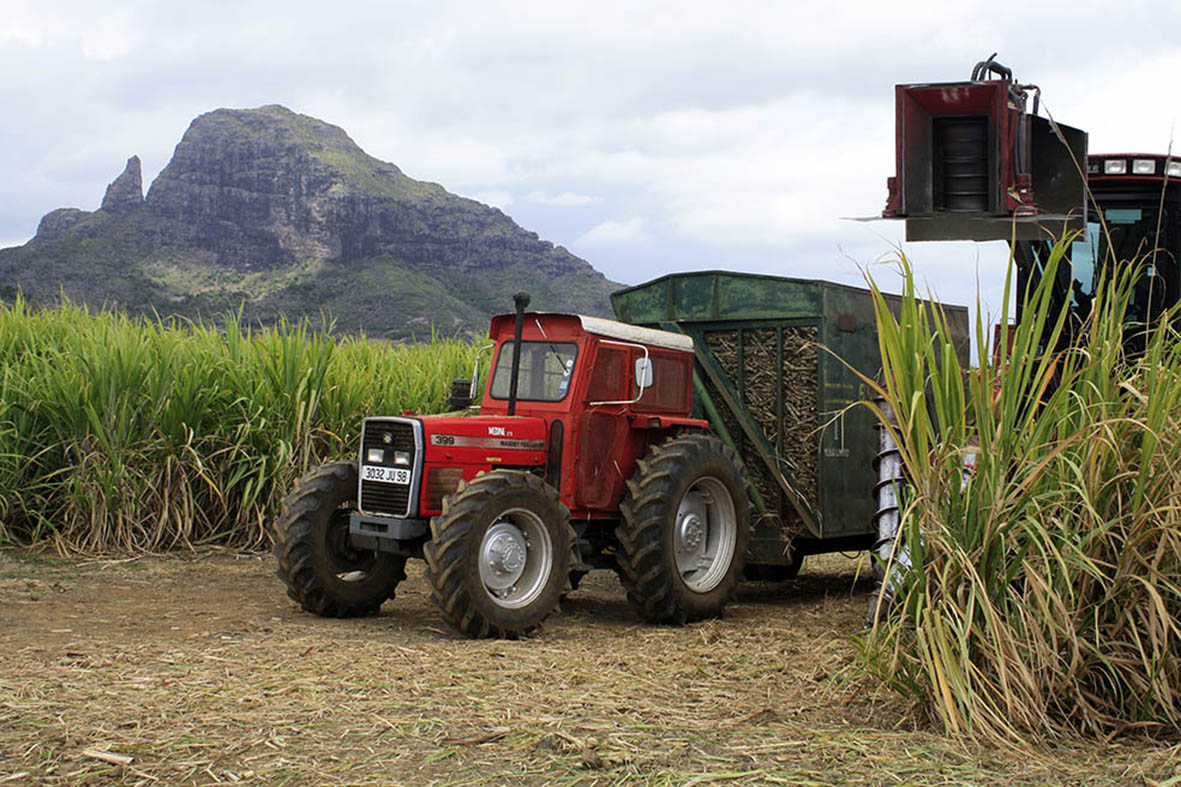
1139,233
547,369
1082,265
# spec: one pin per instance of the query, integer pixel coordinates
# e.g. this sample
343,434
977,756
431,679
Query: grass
121,433
207,280
1045,595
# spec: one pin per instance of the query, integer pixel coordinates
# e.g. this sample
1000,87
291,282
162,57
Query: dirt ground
200,670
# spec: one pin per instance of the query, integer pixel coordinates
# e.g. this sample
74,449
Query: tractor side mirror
643,372
461,394
473,389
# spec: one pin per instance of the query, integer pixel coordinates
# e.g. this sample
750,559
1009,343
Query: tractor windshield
546,371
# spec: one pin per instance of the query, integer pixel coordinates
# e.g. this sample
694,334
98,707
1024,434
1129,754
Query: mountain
283,214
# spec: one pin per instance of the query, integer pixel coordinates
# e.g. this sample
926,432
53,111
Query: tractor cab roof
571,325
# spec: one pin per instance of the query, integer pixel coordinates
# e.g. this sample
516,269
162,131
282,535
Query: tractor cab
571,399
601,390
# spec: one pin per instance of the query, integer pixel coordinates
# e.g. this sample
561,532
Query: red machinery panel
973,165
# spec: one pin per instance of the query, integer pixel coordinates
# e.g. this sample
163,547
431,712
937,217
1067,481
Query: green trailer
771,377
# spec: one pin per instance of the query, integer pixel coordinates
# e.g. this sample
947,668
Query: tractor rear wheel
500,554
322,570
685,529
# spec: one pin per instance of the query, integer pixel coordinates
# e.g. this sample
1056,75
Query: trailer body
776,374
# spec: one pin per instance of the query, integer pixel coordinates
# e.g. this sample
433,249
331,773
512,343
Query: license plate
387,475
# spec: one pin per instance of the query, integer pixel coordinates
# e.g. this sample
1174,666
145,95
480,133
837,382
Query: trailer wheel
685,528
500,554
322,570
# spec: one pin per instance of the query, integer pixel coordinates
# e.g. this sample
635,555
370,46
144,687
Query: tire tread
322,490
446,551
652,589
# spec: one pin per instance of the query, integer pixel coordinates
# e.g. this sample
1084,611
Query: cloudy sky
647,137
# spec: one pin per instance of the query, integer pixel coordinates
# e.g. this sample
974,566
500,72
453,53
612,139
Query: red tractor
583,455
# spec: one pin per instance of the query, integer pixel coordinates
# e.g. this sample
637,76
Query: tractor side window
608,382
670,384
547,369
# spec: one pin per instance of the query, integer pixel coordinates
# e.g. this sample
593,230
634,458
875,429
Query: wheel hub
503,557
692,527
351,564
692,532
704,534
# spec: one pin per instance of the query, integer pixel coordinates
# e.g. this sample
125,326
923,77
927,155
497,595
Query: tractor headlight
402,458
374,456
1143,166
1174,169
1115,166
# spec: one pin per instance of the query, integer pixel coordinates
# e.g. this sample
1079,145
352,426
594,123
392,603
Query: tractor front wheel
500,554
322,570
685,530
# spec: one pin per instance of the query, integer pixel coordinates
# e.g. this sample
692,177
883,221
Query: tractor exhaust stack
521,301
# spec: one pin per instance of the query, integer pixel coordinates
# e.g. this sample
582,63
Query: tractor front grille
390,435
401,436
379,498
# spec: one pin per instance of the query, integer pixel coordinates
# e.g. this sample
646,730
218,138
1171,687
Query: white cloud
497,199
611,232
109,38
24,24
98,32
15,32
567,199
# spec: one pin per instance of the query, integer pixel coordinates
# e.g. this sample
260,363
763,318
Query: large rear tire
322,570
500,554
683,539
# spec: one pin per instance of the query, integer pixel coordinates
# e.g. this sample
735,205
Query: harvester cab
1133,213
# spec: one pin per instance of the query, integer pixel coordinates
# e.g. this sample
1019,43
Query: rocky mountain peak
126,192
285,215
268,186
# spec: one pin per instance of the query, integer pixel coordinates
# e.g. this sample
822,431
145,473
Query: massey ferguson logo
497,431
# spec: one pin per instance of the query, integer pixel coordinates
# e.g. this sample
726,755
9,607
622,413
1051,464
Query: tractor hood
497,440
